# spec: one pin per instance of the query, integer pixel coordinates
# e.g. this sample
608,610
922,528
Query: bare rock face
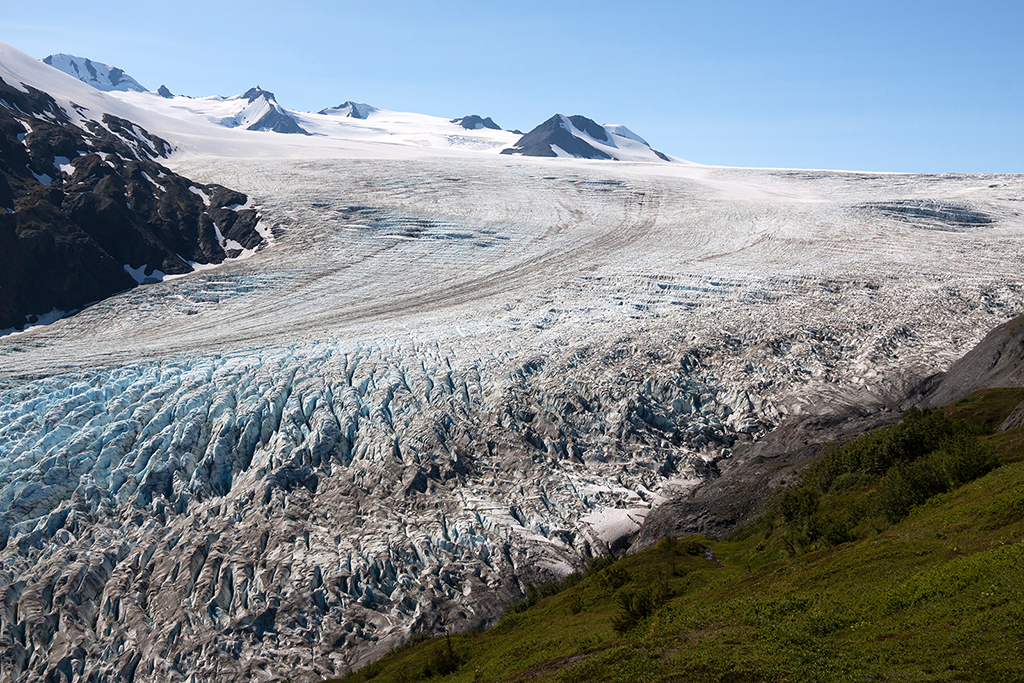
87,213
475,122
275,118
555,131
995,362
350,109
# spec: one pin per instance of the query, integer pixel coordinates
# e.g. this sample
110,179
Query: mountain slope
98,75
998,361
86,211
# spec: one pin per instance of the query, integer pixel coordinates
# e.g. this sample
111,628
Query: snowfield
451,374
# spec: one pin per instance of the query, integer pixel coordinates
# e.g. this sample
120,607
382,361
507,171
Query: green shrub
926,454
442,660
798,504
634,606
598,563
692,546
574,604
872,455
1006,509
835,533
964,459
905,485
614,578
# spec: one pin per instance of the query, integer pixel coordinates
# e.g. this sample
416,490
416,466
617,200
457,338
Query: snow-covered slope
85,105
405,128
349,126
257,109
98,75
583,138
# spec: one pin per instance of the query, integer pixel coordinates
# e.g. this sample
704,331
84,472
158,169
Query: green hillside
900,557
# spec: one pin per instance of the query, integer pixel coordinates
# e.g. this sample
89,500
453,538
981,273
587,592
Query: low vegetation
899,557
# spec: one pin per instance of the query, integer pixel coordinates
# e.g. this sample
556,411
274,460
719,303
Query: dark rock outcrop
591,128
163,91
81,206
1014,420
277,121
474,122
573,135
253,94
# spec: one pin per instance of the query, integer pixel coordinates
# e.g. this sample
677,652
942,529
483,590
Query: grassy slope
938,596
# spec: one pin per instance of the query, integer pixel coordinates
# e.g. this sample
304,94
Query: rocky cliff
86,212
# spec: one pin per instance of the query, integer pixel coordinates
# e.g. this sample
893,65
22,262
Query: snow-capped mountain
353,126
259,110
583,138
98,75
355,122
355,110
474,122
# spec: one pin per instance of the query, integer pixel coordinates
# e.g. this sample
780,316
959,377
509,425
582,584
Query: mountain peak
97,74
555,137
354,110
583,138
474,122
253,94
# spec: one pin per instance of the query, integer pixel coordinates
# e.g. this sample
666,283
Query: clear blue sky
856,84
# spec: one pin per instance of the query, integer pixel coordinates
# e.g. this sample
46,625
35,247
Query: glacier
448,378
450,374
